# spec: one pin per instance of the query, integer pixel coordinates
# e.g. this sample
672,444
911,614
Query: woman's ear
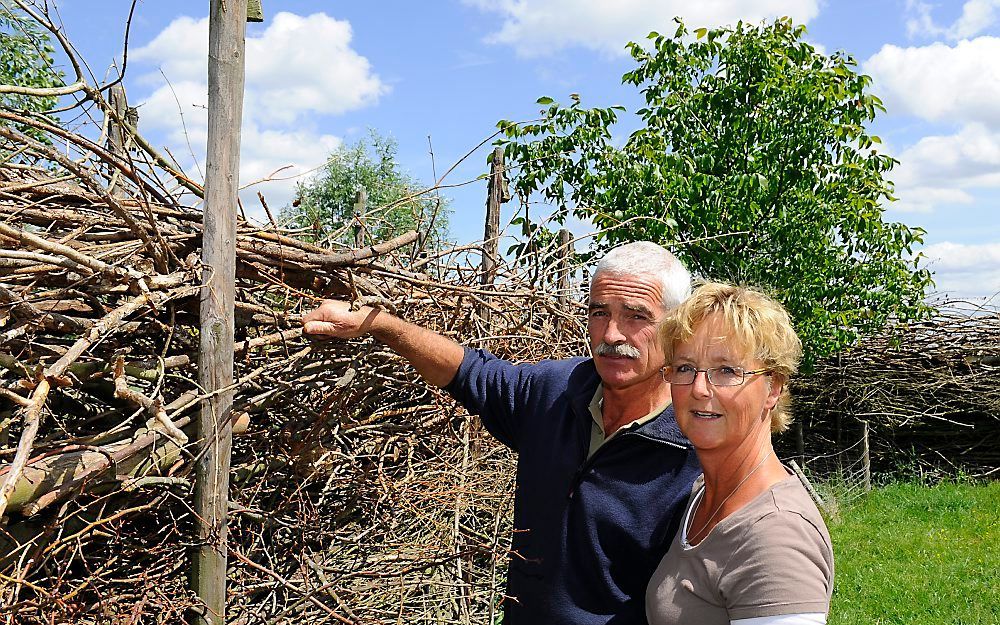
775,384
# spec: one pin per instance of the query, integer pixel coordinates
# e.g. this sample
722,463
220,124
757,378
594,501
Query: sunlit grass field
909,554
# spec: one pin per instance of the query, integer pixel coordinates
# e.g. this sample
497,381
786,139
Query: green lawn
919,555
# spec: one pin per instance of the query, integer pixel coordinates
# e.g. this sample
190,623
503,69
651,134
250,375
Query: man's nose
613,334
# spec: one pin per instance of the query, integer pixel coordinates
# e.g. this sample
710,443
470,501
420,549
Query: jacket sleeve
496,390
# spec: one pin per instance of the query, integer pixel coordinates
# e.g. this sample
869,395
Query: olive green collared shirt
597,437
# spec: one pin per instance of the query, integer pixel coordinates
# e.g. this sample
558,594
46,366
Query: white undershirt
814,618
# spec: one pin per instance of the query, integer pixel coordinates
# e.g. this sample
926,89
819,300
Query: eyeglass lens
718,376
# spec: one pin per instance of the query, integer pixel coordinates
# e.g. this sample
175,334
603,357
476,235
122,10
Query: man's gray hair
645,258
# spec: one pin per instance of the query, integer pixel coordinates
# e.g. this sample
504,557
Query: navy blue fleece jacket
588,534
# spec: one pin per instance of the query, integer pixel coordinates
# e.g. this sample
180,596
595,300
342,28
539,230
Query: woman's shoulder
782,519
788,500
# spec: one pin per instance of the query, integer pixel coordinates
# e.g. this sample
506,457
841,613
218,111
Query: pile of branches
929,393
359,494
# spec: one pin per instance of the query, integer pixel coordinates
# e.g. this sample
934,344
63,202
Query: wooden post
562,280
866,462
497,194
119,118
226,74
800,441
116,133
360,206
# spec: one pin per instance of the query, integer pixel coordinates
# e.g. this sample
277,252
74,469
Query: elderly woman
752,548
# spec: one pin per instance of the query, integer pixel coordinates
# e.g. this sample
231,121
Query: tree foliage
26,60
325,204
754,163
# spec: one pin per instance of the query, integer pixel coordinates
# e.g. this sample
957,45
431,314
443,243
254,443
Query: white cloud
297,65
537,27
938,82
977,16
297,70
939,171
307,64
922,199
969,158
965,270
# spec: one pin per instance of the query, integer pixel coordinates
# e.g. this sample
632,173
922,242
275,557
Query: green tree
325,204
754,162
26,60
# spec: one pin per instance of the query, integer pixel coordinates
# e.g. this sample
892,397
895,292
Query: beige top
597,437
772,556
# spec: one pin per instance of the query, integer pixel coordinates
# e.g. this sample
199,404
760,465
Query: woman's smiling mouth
706,415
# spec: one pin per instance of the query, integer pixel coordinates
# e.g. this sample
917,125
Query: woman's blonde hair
758,326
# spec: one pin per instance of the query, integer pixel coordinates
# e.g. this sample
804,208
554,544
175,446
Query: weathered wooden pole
800,441
562,271
360,207
866,460
497,193
119,118
226,51
116,131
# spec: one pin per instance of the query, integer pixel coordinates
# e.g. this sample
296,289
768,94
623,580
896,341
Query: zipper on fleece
578,475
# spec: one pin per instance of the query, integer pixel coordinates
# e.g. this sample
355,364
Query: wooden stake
116,132
562,284
866,461
800,441
497,194
360,206
226,54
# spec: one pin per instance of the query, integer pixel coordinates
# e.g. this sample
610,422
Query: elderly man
602,468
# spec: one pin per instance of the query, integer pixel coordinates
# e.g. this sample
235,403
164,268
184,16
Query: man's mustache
623,350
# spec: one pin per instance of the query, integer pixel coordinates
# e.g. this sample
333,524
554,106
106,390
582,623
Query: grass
909,554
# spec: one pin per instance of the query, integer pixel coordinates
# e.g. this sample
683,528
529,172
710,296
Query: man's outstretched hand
335,319
435,357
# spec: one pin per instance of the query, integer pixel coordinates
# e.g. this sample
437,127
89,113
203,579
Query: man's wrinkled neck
623,406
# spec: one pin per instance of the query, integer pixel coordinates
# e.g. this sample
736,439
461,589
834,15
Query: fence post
116,130
360,206
120,116
800,441
497,194
226,76
866,462
562,282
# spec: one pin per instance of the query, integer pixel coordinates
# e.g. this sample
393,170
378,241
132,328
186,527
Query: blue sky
321,73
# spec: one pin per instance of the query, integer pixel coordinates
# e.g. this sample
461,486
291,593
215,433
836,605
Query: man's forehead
637,305
636,283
